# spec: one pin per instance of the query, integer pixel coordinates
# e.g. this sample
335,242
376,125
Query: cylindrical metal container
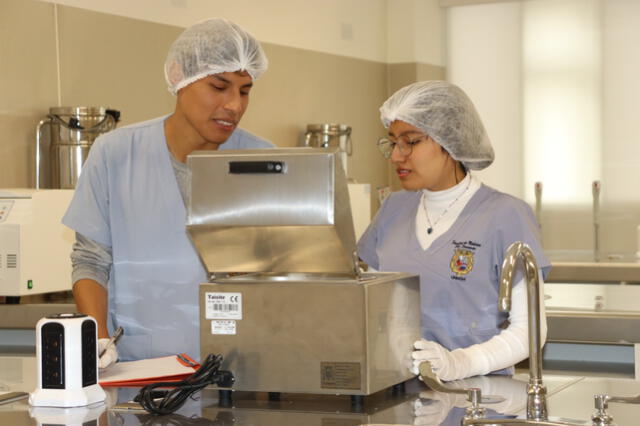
72,131
328,135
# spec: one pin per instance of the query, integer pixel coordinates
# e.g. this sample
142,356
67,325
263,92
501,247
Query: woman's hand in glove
109,357
447,365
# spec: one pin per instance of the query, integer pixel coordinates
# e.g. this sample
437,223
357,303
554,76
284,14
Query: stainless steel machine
328,135
286,303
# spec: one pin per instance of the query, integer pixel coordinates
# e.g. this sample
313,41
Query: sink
520,422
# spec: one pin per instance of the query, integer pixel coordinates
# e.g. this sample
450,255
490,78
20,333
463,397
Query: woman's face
428,166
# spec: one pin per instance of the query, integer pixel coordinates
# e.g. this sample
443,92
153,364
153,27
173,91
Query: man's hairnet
212,47
445,113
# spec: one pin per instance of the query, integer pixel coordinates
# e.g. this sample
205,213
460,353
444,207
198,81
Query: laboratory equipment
286,303
596,186
34,245
66,352
330,135
71,132
538,191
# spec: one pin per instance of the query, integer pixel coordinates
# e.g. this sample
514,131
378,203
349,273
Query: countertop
570,397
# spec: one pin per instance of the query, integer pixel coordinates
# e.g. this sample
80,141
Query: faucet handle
601,417
601,402
624,399
474,395
433,381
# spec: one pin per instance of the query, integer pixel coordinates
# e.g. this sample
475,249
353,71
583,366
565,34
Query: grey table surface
570,397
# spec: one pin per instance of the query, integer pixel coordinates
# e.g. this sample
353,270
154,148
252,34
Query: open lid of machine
271,210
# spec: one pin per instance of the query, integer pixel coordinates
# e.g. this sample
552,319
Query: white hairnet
212,47
445,113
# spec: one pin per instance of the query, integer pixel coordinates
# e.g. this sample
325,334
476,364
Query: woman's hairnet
212,47
445,113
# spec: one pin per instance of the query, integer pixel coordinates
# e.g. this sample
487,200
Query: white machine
360,200
34,245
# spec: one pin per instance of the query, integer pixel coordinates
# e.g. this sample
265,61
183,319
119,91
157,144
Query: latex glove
109,357
447,365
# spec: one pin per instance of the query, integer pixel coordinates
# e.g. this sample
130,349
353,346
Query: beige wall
27,83
353,28
113,61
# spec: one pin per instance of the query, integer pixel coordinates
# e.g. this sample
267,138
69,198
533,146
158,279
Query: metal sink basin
520,422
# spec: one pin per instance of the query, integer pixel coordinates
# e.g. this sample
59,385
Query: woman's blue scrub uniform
459,272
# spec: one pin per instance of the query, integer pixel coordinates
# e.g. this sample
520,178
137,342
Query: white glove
447,365
109,357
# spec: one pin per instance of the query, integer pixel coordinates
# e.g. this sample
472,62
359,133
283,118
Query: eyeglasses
404,145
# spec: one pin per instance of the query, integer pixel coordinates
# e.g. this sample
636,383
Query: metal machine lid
271,210
329,128
78,111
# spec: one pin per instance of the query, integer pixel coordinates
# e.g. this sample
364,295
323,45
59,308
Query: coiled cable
209,373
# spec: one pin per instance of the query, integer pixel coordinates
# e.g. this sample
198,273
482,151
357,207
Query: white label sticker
223,327
223,306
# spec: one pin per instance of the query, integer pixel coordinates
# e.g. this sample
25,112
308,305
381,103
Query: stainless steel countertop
570,396
580,266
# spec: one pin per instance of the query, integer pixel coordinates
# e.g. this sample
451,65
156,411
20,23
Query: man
133,262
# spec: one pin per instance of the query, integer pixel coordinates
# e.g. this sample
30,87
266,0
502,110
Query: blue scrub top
460,271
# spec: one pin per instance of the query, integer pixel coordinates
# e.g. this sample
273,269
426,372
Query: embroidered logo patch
461,262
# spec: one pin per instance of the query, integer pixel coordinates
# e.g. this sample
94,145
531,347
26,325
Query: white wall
562,98
354,28
483,58
593,57
416,32
621,71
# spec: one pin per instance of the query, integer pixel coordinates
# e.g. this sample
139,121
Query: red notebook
171,368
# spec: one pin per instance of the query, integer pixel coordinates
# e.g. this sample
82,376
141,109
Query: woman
452,231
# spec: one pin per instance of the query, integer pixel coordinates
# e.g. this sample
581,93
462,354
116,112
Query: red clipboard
173,368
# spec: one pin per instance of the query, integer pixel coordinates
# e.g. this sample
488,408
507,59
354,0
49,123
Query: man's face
214,105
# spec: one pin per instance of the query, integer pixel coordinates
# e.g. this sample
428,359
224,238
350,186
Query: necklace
426,212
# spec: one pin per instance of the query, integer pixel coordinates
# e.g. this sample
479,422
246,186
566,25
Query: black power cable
209,373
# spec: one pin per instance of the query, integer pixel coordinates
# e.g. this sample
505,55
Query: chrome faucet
536,391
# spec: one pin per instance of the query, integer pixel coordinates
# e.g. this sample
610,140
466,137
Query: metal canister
328,135
72,131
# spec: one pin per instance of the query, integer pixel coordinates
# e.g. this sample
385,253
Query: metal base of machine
312,334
